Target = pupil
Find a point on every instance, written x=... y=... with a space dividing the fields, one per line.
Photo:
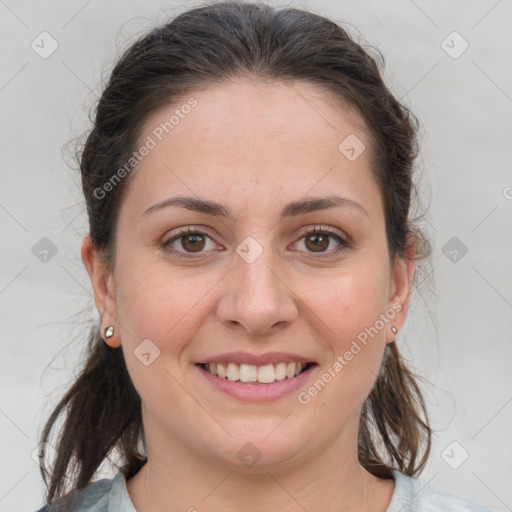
x=193 y=243
x=317 y=243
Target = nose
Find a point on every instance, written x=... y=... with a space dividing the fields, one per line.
x=256 y=298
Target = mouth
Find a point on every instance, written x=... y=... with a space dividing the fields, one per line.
x=254 y=374
x=256 y=382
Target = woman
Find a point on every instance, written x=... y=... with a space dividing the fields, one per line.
x=248 y=182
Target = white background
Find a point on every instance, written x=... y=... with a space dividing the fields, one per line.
x=458 y=337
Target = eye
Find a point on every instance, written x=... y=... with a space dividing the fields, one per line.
x=321 y=241
x=318 y=241
x=188 y=242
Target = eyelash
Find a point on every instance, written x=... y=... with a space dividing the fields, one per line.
x=315 y=230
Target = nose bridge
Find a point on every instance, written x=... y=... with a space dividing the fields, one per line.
x=257 y=282
x=257 y=287
x=256 y=298
x=254 y=260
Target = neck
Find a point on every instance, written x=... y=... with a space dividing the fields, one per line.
x=177 y=478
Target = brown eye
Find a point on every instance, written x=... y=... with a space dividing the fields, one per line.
x=193 y=243
x=321 y=242
x=317 y=242
x=190 y=243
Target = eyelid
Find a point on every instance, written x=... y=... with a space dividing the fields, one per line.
x=319 y=228
x=176 y=233
x=189 y=229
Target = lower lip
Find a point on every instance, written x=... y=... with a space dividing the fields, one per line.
x=257 y=392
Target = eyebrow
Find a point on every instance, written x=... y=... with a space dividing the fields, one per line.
x=292 y=209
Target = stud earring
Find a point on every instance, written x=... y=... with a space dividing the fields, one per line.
x=394 y=330
x=109 y=331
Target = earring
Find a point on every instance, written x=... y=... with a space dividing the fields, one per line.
x=394 y=330
x=109 y=331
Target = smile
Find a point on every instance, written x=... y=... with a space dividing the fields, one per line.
x=262 y=382
x=248 y=373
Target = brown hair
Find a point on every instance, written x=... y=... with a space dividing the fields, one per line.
x=101 y=412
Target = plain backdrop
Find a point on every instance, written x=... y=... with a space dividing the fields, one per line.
x=450 y=62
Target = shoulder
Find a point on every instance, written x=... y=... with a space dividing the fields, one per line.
x=97 y=497
x=410 y=495
x=413 y=495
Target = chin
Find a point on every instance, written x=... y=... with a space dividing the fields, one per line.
x=259 y=448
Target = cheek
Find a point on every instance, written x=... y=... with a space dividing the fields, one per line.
x=168 y=308
x=162 y=303
x=347 y=312
x=346 y=303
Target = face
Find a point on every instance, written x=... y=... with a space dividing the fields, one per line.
x=247 y=243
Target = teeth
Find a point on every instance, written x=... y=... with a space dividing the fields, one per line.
x=266 y=374
x=249 y=373
x=280 y=371
x=233 y=372
x=221 y=370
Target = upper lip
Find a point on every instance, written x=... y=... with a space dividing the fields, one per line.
x=256 y=359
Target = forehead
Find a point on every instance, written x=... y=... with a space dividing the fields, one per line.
x=247 y=139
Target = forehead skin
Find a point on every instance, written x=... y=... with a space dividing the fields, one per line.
x=254 y=145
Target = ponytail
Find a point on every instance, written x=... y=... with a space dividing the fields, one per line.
x=394 y=413
x=102 y=411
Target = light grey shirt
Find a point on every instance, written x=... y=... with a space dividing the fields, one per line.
x=410 y=495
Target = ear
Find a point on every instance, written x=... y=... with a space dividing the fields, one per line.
x=402 y=274
x=104 y=289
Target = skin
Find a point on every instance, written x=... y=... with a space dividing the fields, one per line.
x=254 y=147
